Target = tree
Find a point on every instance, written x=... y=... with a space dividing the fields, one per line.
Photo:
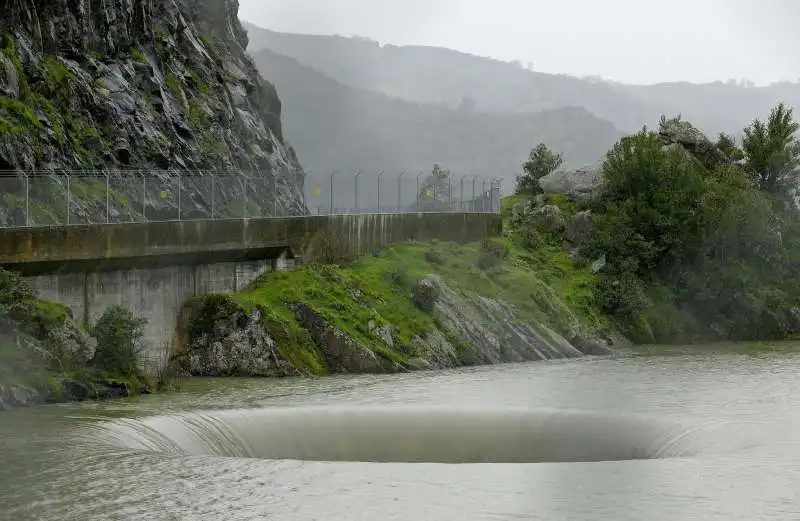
x=118 y=333
x=435 y=190
x=727 y=145
x=541 y=162
x=467 y=104
x=773 y=152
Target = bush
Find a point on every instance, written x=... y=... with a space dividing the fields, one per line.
x=621 y=295
x=492 y=253
x=399 y=277
x=17 y=296
x=434 y=256
x=327 y=247
x=118 y=333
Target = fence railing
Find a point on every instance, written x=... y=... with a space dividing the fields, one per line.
x=55 y=198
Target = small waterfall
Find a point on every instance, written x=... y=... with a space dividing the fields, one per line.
x=408 y=435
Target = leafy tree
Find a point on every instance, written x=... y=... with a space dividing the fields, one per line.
x=773 y=152
x=541 y=162
x=118 y=333
x=435 y=192
x=727 y=145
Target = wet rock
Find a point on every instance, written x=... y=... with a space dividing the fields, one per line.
x=425 y=295
x=549 y=218
x=229 y=341
x=579 y=228
x=492 y=331
x=342 y=353
x=579 y=184
x=675 y=132
x=18 y=396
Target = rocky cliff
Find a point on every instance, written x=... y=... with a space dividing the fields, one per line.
x=131 y=86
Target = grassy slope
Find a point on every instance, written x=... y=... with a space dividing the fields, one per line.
x=544 y=285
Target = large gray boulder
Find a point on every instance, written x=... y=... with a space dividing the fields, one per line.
x=676 y=132
x=581 y=183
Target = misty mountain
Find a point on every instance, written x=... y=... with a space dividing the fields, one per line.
x=439 y=75
x=334 y=127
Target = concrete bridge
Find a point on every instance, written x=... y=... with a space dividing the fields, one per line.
x=152 y=268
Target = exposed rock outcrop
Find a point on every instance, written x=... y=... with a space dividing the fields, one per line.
x=135 y=85
x=676 y=132
x=218 y=337
x=579 y=184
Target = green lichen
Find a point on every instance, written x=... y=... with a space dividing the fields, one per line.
x=138 y=56
x=57 y=76
x=19 y=111
x=174 y=86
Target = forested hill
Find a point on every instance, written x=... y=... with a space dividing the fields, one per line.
x=335 y=127
x=439 y=75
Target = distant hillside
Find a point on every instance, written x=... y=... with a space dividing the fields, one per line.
x=334 y=127
x=438 y=75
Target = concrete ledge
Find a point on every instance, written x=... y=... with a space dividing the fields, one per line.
x=102 y=246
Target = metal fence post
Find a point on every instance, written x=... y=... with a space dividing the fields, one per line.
x=144 y=196
x=68 y=196
x=213 y=189
x=27 y=200
x=449 y=193
x=483 y=196
x=380 y=174
x=108 y=198
x=418 y=176
x=180 y=185
x=474 y=202
x=355 y=190
x=400 y=192
x=244 y=207
x=333 y=174
x=274 y=195
x=461 y=198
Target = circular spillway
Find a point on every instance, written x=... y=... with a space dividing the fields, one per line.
x=408 y=435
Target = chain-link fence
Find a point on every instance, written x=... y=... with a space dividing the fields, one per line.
x=74 y=198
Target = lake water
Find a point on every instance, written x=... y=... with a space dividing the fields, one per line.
x=708 y=437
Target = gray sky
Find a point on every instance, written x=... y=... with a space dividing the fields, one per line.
x=634 y=41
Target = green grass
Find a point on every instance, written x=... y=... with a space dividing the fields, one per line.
x=546 y=287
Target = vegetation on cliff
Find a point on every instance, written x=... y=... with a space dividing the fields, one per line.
x=410 y=306
x=152 y=87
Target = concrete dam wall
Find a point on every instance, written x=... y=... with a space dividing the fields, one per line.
x=153 y=268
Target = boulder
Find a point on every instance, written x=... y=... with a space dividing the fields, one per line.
x=343 y=354
x=579 y=228
x=675 y=132
x=549 y=218
x=578 y=184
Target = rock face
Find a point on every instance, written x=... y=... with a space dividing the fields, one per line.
x=133 y=85
x=675 y=132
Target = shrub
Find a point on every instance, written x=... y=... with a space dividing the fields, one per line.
x=621 y=295
x=492 y=253
x=17 y=296
x=118 y=333
x=434 y=256
x=327 y=247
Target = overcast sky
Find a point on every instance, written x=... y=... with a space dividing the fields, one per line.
x=634 y=41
